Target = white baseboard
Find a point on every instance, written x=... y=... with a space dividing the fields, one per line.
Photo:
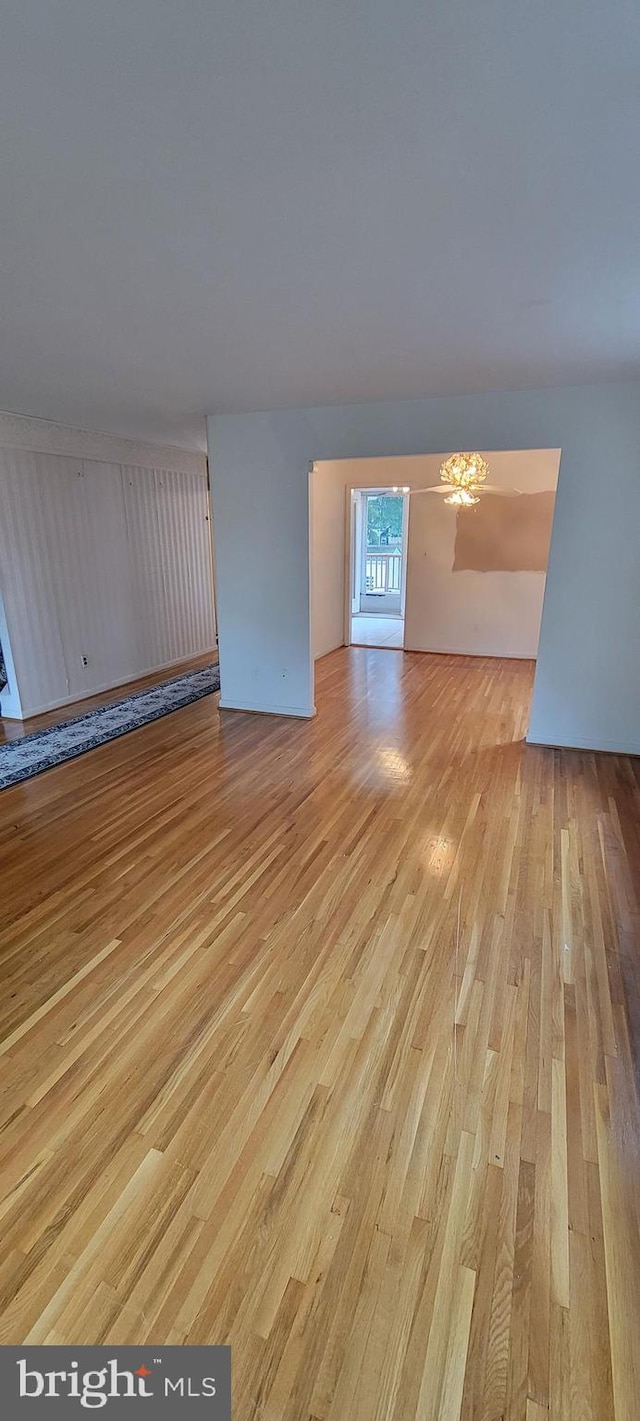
x=296 y=712
x=492 y=654
x=317 y=655
x=114 y=685
x=604 y=747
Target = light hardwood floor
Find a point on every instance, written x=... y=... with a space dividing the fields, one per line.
x=317 y=1040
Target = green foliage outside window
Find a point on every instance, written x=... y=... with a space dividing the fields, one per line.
x=384 y=519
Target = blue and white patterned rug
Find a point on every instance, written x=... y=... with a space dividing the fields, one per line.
x=20 y=759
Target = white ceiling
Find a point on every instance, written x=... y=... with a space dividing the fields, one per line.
x=237 y=204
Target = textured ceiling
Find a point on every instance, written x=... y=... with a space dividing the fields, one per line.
x=220 y=206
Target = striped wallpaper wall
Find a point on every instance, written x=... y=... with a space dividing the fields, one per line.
x=107 y=561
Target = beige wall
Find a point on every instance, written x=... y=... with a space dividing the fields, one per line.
x=329 y=523
x=492 y=613
x=329 y=536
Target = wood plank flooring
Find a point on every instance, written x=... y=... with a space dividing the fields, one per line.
x=317 y=1038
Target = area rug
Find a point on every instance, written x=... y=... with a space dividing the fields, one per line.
x=20 y=759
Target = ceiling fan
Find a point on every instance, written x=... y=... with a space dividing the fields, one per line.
x=463 y=479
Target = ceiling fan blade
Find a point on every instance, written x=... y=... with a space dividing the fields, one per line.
x=448 y=489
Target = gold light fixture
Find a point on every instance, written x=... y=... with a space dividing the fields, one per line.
x=465 y=475
x=462 y=480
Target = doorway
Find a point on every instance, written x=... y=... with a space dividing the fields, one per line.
x=379 y=523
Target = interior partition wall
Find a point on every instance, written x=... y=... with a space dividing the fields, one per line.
x=587 y=686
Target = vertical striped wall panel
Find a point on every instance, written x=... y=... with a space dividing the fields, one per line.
x=110 y=622
x=184 y=549
x=26 y=583
x=100 y=560
x=61 y=549
x=139 y=488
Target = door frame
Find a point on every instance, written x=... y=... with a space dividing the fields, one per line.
x=354 y=533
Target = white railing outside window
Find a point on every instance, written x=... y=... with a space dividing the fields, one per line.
x=382 y=571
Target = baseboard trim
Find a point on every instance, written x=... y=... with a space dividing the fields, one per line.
x=115 y=685
x=583 y=746
x=292 y=712
x=479 y=655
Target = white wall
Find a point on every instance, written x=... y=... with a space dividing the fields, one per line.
x=261 y=525
x=105 y=560
x=587 y=687
x=471 y=613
